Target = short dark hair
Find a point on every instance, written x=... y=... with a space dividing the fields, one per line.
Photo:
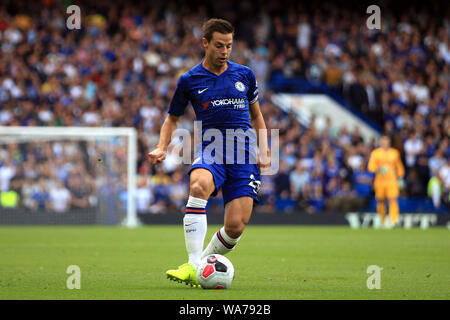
x=216 y=25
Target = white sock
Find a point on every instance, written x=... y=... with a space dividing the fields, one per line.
x=220 y=243
x=195 y=226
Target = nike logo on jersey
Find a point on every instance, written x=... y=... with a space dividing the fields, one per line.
x=201 y=91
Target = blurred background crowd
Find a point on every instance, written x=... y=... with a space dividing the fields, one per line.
x=122 y=66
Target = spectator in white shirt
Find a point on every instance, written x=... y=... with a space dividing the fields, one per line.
x=444 y=176
x=436 y=162
x=303 y=32
x=144 y=197
x=7 y=172
x=59 y=197
x=298 y=178
x=444 y=50
x=401 y=88
x=419 y=90
x=413 y=146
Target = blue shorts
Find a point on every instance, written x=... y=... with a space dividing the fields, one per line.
x=236 y=180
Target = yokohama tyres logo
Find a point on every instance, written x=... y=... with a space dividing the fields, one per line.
x=234 y=102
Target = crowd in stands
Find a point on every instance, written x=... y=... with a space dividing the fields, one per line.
x=122 y=67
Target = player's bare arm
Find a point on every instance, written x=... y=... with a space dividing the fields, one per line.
x=259 y=126
x=159 y=153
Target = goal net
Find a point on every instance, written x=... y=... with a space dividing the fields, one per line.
x=68 y=175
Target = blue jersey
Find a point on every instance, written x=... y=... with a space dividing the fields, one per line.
x=222 y=102
x=219 y=101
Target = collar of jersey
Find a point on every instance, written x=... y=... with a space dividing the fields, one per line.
x=229 y=66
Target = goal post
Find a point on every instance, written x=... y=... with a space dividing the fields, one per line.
x=19 y=134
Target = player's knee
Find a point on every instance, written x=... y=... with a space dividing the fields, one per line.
x=235 y=229
x=199 y=189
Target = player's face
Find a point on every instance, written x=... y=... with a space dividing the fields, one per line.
x=385 y=142
x=218 y=50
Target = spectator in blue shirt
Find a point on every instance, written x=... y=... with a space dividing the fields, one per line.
x=362 y=181
x=40 y=196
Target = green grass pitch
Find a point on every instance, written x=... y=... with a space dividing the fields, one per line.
x=271 y=262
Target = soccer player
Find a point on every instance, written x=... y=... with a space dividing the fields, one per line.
x=224 y=96
x=385 y=162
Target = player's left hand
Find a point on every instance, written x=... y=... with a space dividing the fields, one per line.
x=401 y=183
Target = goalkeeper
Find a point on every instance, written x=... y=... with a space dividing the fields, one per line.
x=385 y=162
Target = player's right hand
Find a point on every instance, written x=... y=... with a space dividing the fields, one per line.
x=156 y=156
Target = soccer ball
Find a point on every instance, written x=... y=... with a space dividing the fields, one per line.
x=215 y=272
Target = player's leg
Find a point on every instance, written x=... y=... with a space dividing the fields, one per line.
x=381 y=209
x=194 y=222
x=239 y=194
x=202 y=184
x=394 y=210
x=392 y=194
x=195 y=225
x=381 y=203
x=237 y=216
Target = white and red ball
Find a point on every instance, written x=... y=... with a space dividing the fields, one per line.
x=215 y=272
